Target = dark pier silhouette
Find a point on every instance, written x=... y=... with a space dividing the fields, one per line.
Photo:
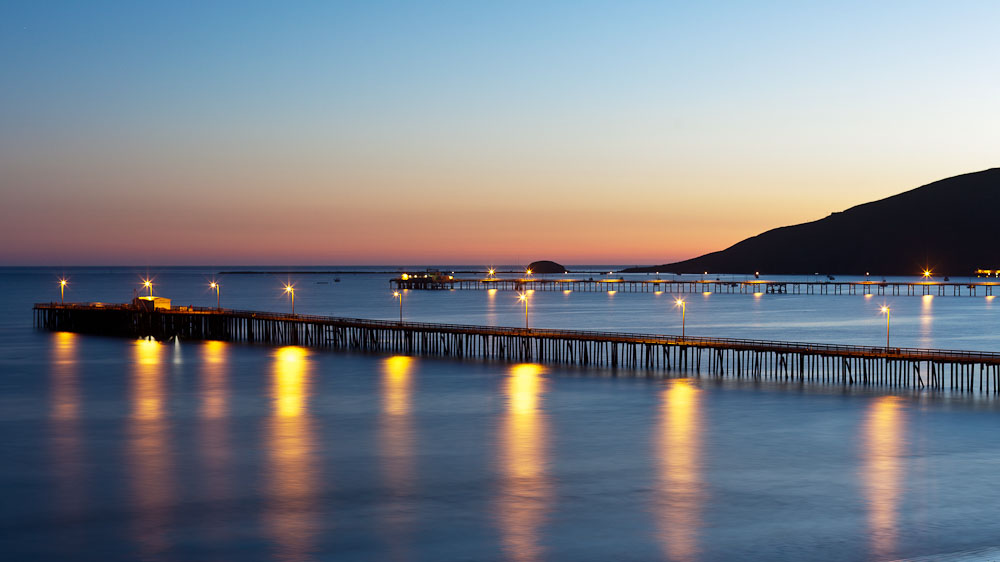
x=740 y=358
x=879 y=288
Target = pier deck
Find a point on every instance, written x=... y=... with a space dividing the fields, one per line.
x=849 y=364
x=758 y=287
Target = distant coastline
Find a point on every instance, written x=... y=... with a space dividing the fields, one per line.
x=378 y=272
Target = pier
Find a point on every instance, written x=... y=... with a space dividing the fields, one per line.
x=757 y=359
x=749 y=287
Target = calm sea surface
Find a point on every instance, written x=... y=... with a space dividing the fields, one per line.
x=113 y=449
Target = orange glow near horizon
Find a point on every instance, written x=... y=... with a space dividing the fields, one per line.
x=375 y=239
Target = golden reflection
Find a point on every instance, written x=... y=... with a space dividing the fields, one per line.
x=884 y=446
x=927 y=321
x=397 y=448
x=396 y=385
x=525 y=491
x=148 y=396
x=214 y=418
x=213 y=381
x=65 y=388
x=291 y=474
x=491 y=307
x=149 y=449
x=680 y=491
x=65 y=413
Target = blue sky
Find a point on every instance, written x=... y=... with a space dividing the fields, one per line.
x=680 y=128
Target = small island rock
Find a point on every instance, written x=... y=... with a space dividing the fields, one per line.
x=545 y=266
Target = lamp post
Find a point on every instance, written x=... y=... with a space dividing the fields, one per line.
x=523 y=297
x=62 y=290
x=491 y=273
x=148 y=284
x=290 y=290
x=399 y=295
x=886 y=310
x=927 y=274
x=683 y=305
x=218 y=294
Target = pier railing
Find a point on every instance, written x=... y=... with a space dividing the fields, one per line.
x=567 y=334
x=805 y=360
x=755 y=286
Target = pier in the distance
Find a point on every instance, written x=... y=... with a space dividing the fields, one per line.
x=748 y=287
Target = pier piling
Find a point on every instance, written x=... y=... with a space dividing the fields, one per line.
x=959 y=370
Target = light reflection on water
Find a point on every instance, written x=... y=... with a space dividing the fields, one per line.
x=292 y=479
x=64 y=414
x=927 y=321
x=884 y=445
x=213 y=380
x=396 y=445
x=150 y=457
x=214 y=422
x=525 y=487
x=680 y=490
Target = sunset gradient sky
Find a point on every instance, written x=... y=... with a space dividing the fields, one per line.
x=472 y=132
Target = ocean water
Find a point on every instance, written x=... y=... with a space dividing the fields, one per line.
x=115 y=449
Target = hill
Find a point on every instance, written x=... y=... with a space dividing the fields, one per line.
x=949 y=226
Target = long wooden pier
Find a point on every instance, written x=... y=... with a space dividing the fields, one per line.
x=778 y=360
x=749 y=287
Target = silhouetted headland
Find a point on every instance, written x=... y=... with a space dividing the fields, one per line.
x=948 y=227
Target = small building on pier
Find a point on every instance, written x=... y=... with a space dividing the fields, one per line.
x=151 y=303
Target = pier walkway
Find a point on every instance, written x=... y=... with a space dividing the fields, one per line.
x=758 y=287
x=779 y=360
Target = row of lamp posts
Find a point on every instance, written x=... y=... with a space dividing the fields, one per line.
x=289 y=290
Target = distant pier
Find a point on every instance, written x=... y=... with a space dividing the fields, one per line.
x=749 y=287
x=739 y=358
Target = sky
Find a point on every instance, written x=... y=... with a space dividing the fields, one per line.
x=466 y=132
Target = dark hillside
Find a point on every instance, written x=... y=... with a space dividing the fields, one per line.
x=951 y=226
